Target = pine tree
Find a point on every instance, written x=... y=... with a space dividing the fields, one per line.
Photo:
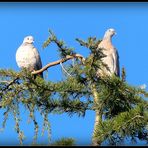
x=121 y=109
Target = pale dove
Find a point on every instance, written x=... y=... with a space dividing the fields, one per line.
x=112 y=57
x=27 y=56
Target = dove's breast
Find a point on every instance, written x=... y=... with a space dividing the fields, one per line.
x=25 y=57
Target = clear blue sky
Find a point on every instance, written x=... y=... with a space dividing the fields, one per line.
x=69 y=21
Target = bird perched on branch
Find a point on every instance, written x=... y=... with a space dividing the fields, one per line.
x=111 y=58
x=27 y=56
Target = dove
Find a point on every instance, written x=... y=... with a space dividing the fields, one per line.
x=111 y=58
x=27 y=56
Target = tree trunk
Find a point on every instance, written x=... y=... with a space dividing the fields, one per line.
x=95 y=142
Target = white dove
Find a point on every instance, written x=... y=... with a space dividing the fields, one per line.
x=27 y=56
x=112 y=57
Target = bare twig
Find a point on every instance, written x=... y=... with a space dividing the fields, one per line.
x=68 y=57
x=65 y=70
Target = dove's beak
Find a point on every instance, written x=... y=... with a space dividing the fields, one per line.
x=115 y=33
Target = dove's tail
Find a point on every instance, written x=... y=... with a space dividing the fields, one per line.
x=40 y=74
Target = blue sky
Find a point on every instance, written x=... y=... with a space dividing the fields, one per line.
x=70 y=21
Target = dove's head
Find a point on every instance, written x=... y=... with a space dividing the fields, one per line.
x=110 y=32
x=28 y=39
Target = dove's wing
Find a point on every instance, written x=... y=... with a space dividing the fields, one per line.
x=38 y=64
x=38 y=59
x=116 y=62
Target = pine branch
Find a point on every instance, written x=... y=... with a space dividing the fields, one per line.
x=125 y=124
x=123 y=75
x=9 y=83
x=63 y=49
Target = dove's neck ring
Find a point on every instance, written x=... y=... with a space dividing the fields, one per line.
x=107 y=38
x=25 y=43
